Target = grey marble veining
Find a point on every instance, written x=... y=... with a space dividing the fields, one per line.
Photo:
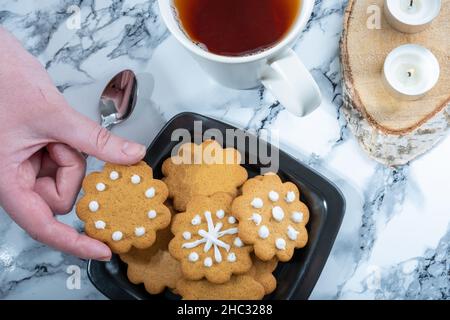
x=393 y=243
x=423 y=278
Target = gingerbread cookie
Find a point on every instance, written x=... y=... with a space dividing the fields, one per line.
x=202 y=170
x=206 y=240
x=252 y=285
x=123 y=206
x=271 y=217
x=262 y=271
x=154 y=266
x=240 y=287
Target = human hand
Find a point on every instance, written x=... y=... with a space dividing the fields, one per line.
x=41 y=137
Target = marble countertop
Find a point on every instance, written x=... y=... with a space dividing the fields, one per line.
x=394 y=240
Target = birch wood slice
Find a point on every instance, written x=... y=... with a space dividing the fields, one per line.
x=392 y=131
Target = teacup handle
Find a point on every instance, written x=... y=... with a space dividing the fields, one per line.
x=291 y=83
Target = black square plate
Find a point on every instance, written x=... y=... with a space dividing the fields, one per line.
x=296 y=278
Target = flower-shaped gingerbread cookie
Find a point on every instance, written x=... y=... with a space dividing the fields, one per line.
x=240 y=287
x=123 y=206
x=206 y=240
x=252 y=285
x=271 y=217
x=202 y=170
x=154 y=267
x=262 y=271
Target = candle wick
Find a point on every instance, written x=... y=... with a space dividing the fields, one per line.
x=411 y=3
x=410 y=73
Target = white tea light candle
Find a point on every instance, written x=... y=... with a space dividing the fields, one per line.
x=410 y=71
x=411 y=16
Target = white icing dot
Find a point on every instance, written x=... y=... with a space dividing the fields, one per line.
x=263 y=232
x=187 y=235
x=238 y=242
x=100 y=187
x=292 y=233
x=280 y=243
x=196 y=220
x=93 y=206
x=114 y=175
x=231 y=257
x=208 y=262
x=257 y=203
x=277 y=213
x=139 y=231
x=193 y=256
x=274 y=196
x=290 y=197
x=117 y=235
x=297 y=217
x=150 y=193
x=151 y=214
x=220 y=214
x=231 y=220
x=100 y=224
x=135 y=179
x=256 y=218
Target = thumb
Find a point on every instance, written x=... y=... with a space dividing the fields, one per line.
x=80 y=132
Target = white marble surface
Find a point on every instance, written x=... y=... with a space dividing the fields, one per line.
x=394 y=240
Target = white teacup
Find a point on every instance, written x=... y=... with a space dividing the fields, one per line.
x=278 y=68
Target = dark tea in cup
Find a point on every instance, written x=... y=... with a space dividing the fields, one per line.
x=236 y=27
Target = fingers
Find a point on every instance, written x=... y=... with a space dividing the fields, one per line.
x=87 y=136
x=35 y=161
x=31 y=212
x=62 y=171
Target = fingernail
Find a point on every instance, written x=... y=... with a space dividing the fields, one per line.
x=105 y=259
x=133 y=149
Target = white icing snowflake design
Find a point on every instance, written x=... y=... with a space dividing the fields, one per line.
x=211 y=238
